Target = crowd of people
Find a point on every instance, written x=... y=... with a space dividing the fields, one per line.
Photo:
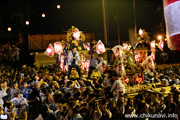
x=9 y=52
x=48 y=93
x=95 y=93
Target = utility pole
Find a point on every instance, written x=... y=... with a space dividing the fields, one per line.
x=105 y=22
x=118 y=28
x=28 y=42
x=134 y=12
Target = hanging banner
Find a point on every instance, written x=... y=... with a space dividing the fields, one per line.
x=172 y=19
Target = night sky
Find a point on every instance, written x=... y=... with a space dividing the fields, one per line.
x=84 y=14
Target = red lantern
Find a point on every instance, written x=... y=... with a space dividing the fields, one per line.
x=118 y=51
x=153 y=44
x=76 y=34
x=126 y=46
x=57 y=47
x=49 y=51
x=172 y=19
x=100 y=47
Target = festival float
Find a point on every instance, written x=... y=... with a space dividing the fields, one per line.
x=77 y=38
x=44 y=42
x=137 y=61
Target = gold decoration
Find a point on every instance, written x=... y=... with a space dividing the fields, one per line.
x=79 y=48
x=70 y=34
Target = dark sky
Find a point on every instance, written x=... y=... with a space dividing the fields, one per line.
x=87 y=16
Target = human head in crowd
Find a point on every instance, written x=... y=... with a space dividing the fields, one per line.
x=91 y=96
x=100 y=56
x=74 y=49
x=115 y=76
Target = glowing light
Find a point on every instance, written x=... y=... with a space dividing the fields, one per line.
x=136 y=57
x=153 y=44
x=140 y=32
x=159 y=37
x=161 y=45
x=27 y=22
x=43 y=15
x=58 y=6
x=49 y=51
x=125 y=46
x=76 y=34
x=9 y=29
x=100 y=48
x=57 y=47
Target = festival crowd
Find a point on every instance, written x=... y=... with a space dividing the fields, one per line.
x=48 y=93
x=9 y=52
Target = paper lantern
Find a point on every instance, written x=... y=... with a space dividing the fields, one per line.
x=76 y=34
x=57 y=47
x=49 y=51
x=161 y=45
x=100 y=48
x=172 y=19
x=153 y=44
x=87 y=64
x=136 y=57
x=126 y=46
x=140 y=32
x=118 y=51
